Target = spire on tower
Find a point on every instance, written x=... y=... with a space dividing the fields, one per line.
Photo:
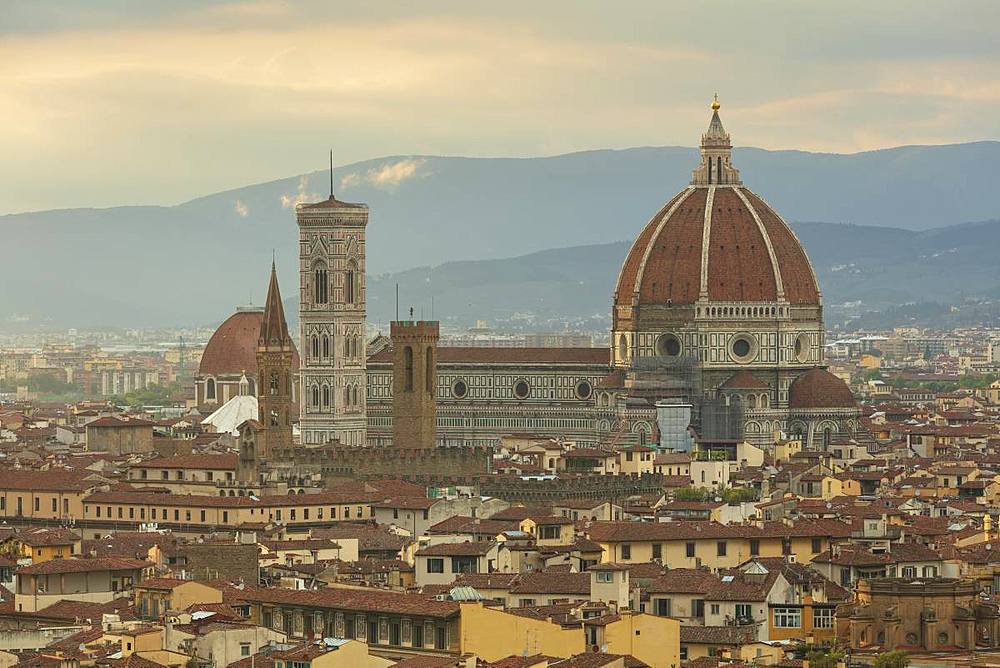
x=331 y=174
x=716 y=166
x=273 y=327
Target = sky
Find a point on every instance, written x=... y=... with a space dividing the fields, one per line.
x=116 y=102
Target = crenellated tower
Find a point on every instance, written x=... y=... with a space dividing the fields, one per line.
x=414 y=383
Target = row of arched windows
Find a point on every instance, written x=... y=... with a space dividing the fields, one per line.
x=321 y=346
x=321 y=283
x=321 y=396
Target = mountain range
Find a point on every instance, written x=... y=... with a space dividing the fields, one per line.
x=441 y=226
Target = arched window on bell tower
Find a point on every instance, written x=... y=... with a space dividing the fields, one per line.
x=350 y=280
x=320 y=283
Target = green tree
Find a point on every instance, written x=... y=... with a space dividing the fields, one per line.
x=691 y=494
x=820 y=658
x=894 y=659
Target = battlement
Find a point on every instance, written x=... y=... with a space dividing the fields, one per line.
x=601 y=487
x=413 y=330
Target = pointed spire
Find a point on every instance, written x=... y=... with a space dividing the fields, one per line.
x=331 y=174
x=273 y=328
x=716 y=166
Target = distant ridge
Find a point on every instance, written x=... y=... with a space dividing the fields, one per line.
x=194 y=262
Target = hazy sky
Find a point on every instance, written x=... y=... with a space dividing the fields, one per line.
x=121 y=102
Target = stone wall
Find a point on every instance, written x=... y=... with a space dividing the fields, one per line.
x=598 y=487
x=222 y=561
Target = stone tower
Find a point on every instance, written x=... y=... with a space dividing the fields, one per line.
x=332 y=321
x=275 y=372
x=414 y=383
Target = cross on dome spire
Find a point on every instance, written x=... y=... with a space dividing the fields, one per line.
x=716 y=166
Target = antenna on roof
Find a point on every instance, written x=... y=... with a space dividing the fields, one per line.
x=397 y=302
x=331 y=173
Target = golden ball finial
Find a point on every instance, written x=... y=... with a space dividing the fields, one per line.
x=715 y=103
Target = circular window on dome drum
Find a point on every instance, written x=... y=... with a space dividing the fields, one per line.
x=802 y=347
x=668 y=345
x=522 y=389
x=743 y=348
x=584 y=389
x=459 y=389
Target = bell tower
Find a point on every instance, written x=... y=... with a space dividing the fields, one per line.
x=275 y=373
x=414 y=383
x=332 y=321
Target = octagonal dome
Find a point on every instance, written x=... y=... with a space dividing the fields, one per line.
x=716 y=241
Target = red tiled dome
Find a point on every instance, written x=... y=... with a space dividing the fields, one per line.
x=751 y=255
x=233 y=347
x=744 y=380
x=818 y=388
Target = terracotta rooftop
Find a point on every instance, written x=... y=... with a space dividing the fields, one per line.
x=54 y=566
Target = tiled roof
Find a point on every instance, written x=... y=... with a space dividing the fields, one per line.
x=162 y=583
x=744 y=380
x=54 y=566
x=39 y=537
x=818 y=388
x=575 y=584
x=683 y=581
x=475 y=355
x=468 y=548
x=159 y=499
x=664 y=263
x=355 y=599
x=73 y=610
x=462 y=524
x=224 y=462
x=718 y=635
x=46 y=480
x=232 y=350
x=112 y=421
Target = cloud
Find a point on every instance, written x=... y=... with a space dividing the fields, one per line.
x=301 y=194
x=231 y=92
x=386 y=176
x=241 y=209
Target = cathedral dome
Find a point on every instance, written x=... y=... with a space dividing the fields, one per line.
x=817 y=389
x=716 y=241
x=232 y=350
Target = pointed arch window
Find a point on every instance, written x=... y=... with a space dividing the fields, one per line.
x=429 y=370
x=273 y=383
x=315 y=395
x=315 y=347
x=408 y=368
x=347 y=395
x=326 y=396
x=350 y=278
x=320 y=283
x=326 y=346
